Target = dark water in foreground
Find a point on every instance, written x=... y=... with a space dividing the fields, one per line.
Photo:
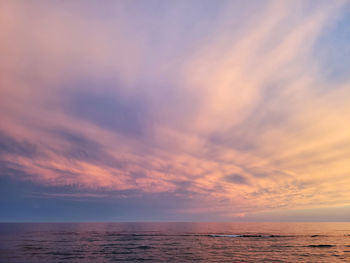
x=175 y=242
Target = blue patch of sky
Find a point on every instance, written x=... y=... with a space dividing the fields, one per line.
x=332 y=48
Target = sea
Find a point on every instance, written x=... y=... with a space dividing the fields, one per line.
x=174 y=242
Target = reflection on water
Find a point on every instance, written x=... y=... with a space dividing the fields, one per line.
x=175 y=242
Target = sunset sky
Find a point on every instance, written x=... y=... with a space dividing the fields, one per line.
x=175 y=110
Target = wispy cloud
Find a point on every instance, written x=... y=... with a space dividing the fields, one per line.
x=221 y=103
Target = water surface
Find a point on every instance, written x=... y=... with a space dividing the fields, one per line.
x=174 y=242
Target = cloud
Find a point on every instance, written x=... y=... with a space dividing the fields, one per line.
x=223 y=104
x=236 y=178
x=9 y=145
x=110 y=111
x=79 y=148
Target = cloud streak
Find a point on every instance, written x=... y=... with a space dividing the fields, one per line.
x=210 y=102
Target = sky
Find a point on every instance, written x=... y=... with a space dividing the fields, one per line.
x=174 y=110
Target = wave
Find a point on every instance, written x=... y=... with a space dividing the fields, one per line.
x=219 y=235
x=321 y=245
x=116 y=234
x=214 y=235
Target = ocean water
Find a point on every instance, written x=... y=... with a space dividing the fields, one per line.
x=174 y=242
